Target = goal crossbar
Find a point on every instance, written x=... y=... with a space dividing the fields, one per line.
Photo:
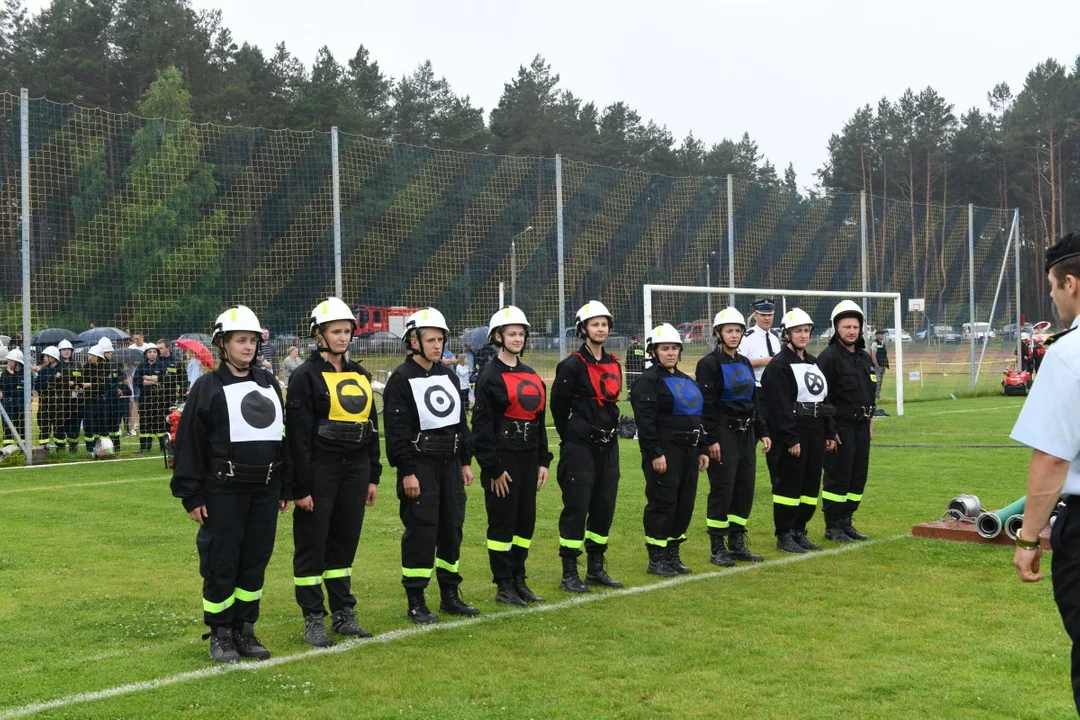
x=898 y=349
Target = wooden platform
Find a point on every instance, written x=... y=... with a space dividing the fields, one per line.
x=959 y=531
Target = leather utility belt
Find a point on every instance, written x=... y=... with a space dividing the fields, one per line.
x=856 y=412
x=740 y=425
x=347 y=432
x=520 y=434
x=686 y=438
x=432 y=444
x=814 y=410
x=600 y=437
x=228 y=471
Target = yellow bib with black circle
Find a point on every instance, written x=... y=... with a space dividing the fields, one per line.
x=350 y=396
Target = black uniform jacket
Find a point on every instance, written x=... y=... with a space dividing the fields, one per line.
x=205 y=435
x=665 y=400
x=311 y=405
x=727 y=384
x=504 y=392
x=781 y=394
x=401 y=415
x=585 y=394
x=852 y=384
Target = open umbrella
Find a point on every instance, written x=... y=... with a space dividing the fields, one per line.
x=127 y=355
x=475 y=337
x=53 y=336
x=205 y=339
x=92 y=335
x=206 y=358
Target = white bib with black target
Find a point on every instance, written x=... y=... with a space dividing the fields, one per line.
x=254 y=413
x=811 y=383
x=437 y=401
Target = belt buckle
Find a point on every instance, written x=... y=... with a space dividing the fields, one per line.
x=231 y=472
x=524 y=431
x=457 y=438
x=269 y=473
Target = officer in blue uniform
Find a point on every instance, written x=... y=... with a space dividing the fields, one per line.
x=1047 y=424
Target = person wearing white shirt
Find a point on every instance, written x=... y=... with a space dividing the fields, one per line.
x=1047 y=424
x=759 y=345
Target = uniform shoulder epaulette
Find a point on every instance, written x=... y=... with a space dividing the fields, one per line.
x=1055 y=337
x=749 y=332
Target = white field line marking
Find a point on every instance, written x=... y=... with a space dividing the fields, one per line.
x=405 y=633
x=971 y=410
x=46 y=488
x=102 y=463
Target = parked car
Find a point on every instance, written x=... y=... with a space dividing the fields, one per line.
x=1008 y=332
x=382 y=342
x=981 y=330
x=891 y=334
x=945 y=334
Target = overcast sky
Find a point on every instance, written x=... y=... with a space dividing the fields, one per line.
x=789 y=72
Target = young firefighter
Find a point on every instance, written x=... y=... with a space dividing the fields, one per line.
x=667 y=409
x=733 y=428
x=12 y=397
x=48 y=385
x=232 y=475
x=69 y=411
x=510 y=437
x=116 y=396
x=333 y=436
x=96 y=402
x=849 y=374
x=427 y=441
x=801 y=428
x=154 y=402
x=584 y=406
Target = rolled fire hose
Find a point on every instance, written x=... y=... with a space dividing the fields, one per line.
x=1013 y=525
x=964 y=507
x=990 y=524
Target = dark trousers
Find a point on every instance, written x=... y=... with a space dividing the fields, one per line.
x=48 y=427
x=796 y=480
x=69 y=424
x=433 y=522
x=845 y=471
x=1065 y=571
x=731 y=483
x=325 y=539
x=589 y=480
x=18 y=420
x=512 y=519
x=670 y=496
x=235 y=544
x=95 y=420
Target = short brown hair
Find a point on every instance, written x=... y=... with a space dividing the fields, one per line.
x=1068 y=266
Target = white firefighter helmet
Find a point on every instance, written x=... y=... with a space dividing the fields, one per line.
x=65 y=345
x=425 y=318
x=52 y=351
x=105 y=344
x=847 y=308
x=729 y=316
x=97 y=352
x=509 y=315
x=795 y=317
x=662 y=333
x=103 y=447
x=15 y=354
x=329 y=310
x=590 y=310
x=238 y=318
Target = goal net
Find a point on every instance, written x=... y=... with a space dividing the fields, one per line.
x=818 y=303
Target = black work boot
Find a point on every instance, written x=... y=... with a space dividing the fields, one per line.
x=833 y=531
x=507 y=594
x=739 y=550
x=804 y=542
x=595 y=574
x=247 y=644
x=315 y=631
x=452 y=602
x=719 y=555
x=343 y=622
x=418 y=610
x=674 y=561
x=785 y=541
x=222 y=646
x=524 y=592
x=571 y=581
x=849 y=529
x=658 y=561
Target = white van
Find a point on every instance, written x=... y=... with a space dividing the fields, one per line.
x=982 y=330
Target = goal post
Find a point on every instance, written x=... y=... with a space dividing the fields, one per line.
x=898 y=349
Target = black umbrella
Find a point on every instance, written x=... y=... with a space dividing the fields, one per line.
x=92 y=335
x=53 y=336
x=475 y=337
x=127 y=355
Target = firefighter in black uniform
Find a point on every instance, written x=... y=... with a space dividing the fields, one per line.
x=427 y=441
x=584 y=406
x=333 y=436
x=96 y=407
x=70 y=409
x=510 y=436
x=849 y=372
x=152 y=376
x=117 y=396
x=12 y=397
x=48 y=385
x=733 y=428
x=635 y=361
x=232 y=476
x=801 y=428
x=667 y=409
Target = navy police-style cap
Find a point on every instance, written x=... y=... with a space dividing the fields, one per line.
x=1068 y=246
x=765 y=306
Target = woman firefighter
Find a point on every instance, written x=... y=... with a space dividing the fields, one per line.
x=151 y=375
x=231 y=475
x=333 y=436
x=510 y=439
x=667 y=409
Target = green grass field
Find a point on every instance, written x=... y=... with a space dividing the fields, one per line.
x=100 y=604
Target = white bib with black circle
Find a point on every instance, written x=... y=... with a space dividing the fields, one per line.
x=811 y=383
x=254 y=413
x=438 y=402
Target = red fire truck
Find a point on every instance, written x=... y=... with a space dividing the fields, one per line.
x=372 y=319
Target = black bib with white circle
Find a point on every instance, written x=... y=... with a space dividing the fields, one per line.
x=438 y=402
x=254 y=413
x=813 y=388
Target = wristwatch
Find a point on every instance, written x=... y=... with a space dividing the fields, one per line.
x=1026 y=544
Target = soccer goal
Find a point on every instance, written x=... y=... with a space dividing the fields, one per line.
x=787 y=299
